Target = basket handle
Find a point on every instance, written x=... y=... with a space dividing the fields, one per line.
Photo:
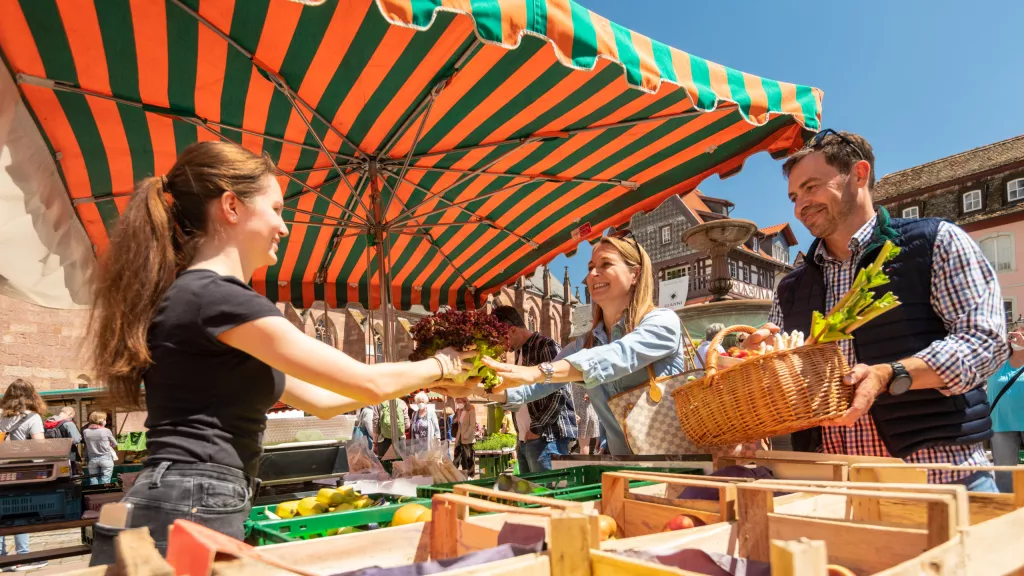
x=713 y=354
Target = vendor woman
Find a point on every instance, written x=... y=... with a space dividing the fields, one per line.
x=607 y=361
x=174 y=310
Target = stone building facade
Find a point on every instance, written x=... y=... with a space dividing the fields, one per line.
x=42 y=345
x=982 y=191
x=755 y=266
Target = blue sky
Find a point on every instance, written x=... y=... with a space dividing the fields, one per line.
x=920 y=80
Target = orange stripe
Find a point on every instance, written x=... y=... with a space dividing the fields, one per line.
x=460 y=5
x=341 y=196
x=335 y=44
x=758 y=98
x=604 y=96
x=605 y=37
x=384 y=57
x=278 y=29
x=566 y=87
x=651 y=75
x=440 y=52
x=161 y=132
x=213 y=59
x=149 y=20
x=559 y=28
x=295 y=238
x=397 y=10
x=684 y=74
x=513 y=20
x=789 y=102
x=47 y=109
x=719 y=81
x=257 y=105
x=83 y=32
x=90 y=216
x=16 y=38
x=509 y=89
x=122 y=203
x=485 y=59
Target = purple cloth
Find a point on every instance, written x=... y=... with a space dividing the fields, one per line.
x=701 y=562
x=700 y=493
x=502 y=552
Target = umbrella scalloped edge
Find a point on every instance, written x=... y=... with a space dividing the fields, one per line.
x=400 y=13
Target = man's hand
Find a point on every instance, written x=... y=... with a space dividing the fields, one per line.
x=753 y=341
x=511 y=375
x=471 y=387
x=869 y=382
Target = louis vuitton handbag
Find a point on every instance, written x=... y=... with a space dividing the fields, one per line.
x=647 y=415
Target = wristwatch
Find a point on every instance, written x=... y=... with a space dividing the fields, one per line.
x=900 y=381
x=548 y=370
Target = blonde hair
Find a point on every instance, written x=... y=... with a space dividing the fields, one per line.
x=97 y=417
x=641 y=300
x=69 y=411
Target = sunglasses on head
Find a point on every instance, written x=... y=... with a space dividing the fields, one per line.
x=819 y=138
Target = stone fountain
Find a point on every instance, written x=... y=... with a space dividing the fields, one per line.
x=717 y=238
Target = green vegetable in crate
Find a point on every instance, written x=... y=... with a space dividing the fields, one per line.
x=858 y=306
x=463 y=330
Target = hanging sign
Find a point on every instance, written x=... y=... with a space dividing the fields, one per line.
x=672 y=293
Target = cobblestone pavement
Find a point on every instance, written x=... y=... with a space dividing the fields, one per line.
x=49 y=541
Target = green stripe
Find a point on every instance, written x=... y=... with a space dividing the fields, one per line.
x=805 y=97
x=116 y=28
x=247 y=23
x=774 y=93
x=185 y=135
x=738 y=89
x=277 y=122
x=246 y=27
x=584 y=37
x=627 y=54
x=537 y=17
x=487 y=14
x=109 y=215
x=182 y=56
x=701 y=76
x=663 y=59
x=423 y=11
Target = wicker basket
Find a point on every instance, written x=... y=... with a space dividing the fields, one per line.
x=777 y=393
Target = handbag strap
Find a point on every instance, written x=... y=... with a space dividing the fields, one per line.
x=1005 y=388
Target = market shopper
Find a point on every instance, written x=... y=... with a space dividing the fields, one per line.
x=20 y=410
x=62 y=425
x=100 y=449
x=382 y=424
x=920 y=368
x=1008 y=413
x=424 y=420
x=552 y=418
x=465 y=436
x=586 y=418
x=709 y=334
x=621 y=284
x=174 y=311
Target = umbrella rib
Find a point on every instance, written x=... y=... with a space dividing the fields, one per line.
x=194 y=120
x=432 y=242
x=459 y=207
x=536 y=177
x=292 y=100
x=269 y=73
x=561 y=134
x=433 y=94
x=415 y=141
x=463 y=203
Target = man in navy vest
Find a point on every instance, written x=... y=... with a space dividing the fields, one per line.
x=919 y=370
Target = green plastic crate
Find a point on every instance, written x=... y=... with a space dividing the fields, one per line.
x=579 y=483
x=259 y=513
x=262 y=532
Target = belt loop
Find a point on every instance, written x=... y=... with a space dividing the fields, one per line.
x=158 y=474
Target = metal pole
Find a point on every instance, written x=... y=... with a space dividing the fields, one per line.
x=384 y=278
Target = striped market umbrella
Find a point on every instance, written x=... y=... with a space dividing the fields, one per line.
x=442 y=148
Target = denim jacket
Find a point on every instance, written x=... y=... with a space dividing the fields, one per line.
x=613 y=367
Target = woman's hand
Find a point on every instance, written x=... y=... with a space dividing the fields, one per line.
x=448 y=387
x=753 y=341
x=451 y=361
x=511 y=375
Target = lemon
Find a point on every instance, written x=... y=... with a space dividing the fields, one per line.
x=310 y=507
x=408 y=514
x=287 y=509
x=329 y=497
x=344 y=507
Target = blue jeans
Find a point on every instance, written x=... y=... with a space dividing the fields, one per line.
x=103 y=468
x=214 y=496
x=524 y=464
x=538 y=452
x=20 y=544
x=979 y=482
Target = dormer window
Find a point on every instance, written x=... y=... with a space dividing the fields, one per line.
x=971 y=201
x=666 y=234
x=754 y=244
x=1015 y=190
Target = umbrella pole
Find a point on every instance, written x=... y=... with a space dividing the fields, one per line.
x=384 y=278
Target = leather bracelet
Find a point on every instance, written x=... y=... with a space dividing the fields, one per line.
x=441 y=366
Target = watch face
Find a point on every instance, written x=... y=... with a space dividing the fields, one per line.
x=900 y=385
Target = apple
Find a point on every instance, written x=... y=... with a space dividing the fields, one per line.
x=682 y=522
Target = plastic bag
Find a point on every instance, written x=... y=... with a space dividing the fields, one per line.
x=426 y=457
x=362 y=460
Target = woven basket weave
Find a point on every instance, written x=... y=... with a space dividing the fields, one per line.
x=777 y=393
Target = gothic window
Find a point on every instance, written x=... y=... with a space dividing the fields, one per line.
x=531 y=322
x=323 y=332
x=378 y=349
